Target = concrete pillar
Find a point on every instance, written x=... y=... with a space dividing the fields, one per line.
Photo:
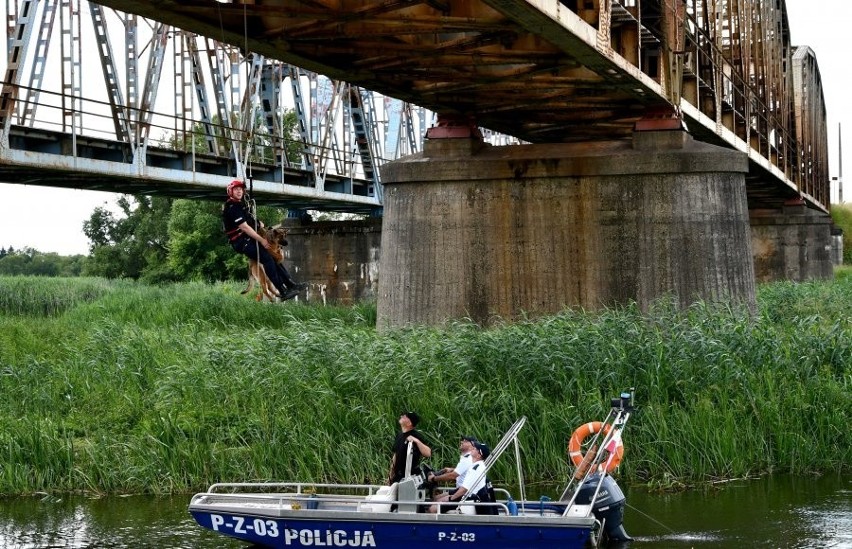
x=793 y=243
x=836 y=245
x=487 y=232
x=338 y=259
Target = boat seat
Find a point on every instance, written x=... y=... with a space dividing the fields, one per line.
x=381 y=501
x=578 y=510
x=467 y=509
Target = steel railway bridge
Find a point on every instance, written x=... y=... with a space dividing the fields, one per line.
x=286 y=92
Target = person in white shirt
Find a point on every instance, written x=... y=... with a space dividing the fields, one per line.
x=456 y=473
x=473 y=481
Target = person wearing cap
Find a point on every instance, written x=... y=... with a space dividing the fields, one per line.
x=475 y=482
x=456 y=473
x=240 y=228
x=407 y=435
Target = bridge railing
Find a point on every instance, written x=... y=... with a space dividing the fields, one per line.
x=734 y=62
x=742 y=72
x=81 y=120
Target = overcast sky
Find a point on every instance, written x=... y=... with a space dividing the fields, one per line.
x=51 y=219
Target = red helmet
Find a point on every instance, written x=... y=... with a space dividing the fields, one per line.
x=233 y=185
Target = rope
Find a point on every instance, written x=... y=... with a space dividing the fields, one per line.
x=252 y=207
x=221 y=23
x=248 y=115
x=247 y=175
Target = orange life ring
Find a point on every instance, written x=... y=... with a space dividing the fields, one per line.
x=575 y=444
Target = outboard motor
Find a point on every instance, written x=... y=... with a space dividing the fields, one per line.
x=608 y=508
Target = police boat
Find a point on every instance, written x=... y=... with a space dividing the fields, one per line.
x=296 y=514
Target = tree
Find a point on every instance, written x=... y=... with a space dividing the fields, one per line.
x=198 y=249
x=135 y=246
x=99 y=228
x=263 y=142
x=14 y=264
x=30 y=262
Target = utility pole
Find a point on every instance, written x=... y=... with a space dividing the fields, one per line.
x=839 y=165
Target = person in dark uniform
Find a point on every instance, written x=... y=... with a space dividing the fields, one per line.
x=407 y=423
x=240 y=228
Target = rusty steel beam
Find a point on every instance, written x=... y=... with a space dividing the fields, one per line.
x=725 y=66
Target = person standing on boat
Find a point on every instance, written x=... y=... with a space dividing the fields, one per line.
x=419 y=449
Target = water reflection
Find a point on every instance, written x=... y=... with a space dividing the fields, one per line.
x=114 y=522
x=779 y=512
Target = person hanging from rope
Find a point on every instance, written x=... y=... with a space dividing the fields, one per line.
x=241 y=229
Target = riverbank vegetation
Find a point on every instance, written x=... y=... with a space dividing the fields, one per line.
x=120 y=387
x=841 y=216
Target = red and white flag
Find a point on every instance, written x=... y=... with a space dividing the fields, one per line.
x=612 y=447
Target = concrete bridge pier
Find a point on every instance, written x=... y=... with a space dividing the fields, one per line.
x=338 y=259
x=793 y=243
x=484 y=232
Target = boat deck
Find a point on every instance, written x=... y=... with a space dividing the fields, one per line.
x=359 y=502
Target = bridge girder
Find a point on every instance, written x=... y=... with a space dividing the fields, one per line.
x=89 y=100
x=558 y=70
x=551 y=70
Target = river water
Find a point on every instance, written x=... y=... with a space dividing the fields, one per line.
x=778 y=512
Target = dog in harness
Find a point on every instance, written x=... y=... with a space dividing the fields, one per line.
x=277 y=238
x=243 y=233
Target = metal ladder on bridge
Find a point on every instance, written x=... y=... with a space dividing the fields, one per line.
x=364 y=126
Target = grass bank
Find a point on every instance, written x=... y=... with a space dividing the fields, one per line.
x=841 y=214
x=117 y=387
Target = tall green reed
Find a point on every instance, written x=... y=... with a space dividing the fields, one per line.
x=167 y=389
x=42 y=296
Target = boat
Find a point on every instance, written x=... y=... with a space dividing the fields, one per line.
x=300 y=514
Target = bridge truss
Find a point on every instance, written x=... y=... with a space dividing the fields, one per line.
x=98 y=99
x=553 y=71
x=538 y=70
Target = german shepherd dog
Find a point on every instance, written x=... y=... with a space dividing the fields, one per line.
x=277 y=238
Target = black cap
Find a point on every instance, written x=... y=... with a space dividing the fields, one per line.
x=470 y=439
x=483 y=449
x=413 y=418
